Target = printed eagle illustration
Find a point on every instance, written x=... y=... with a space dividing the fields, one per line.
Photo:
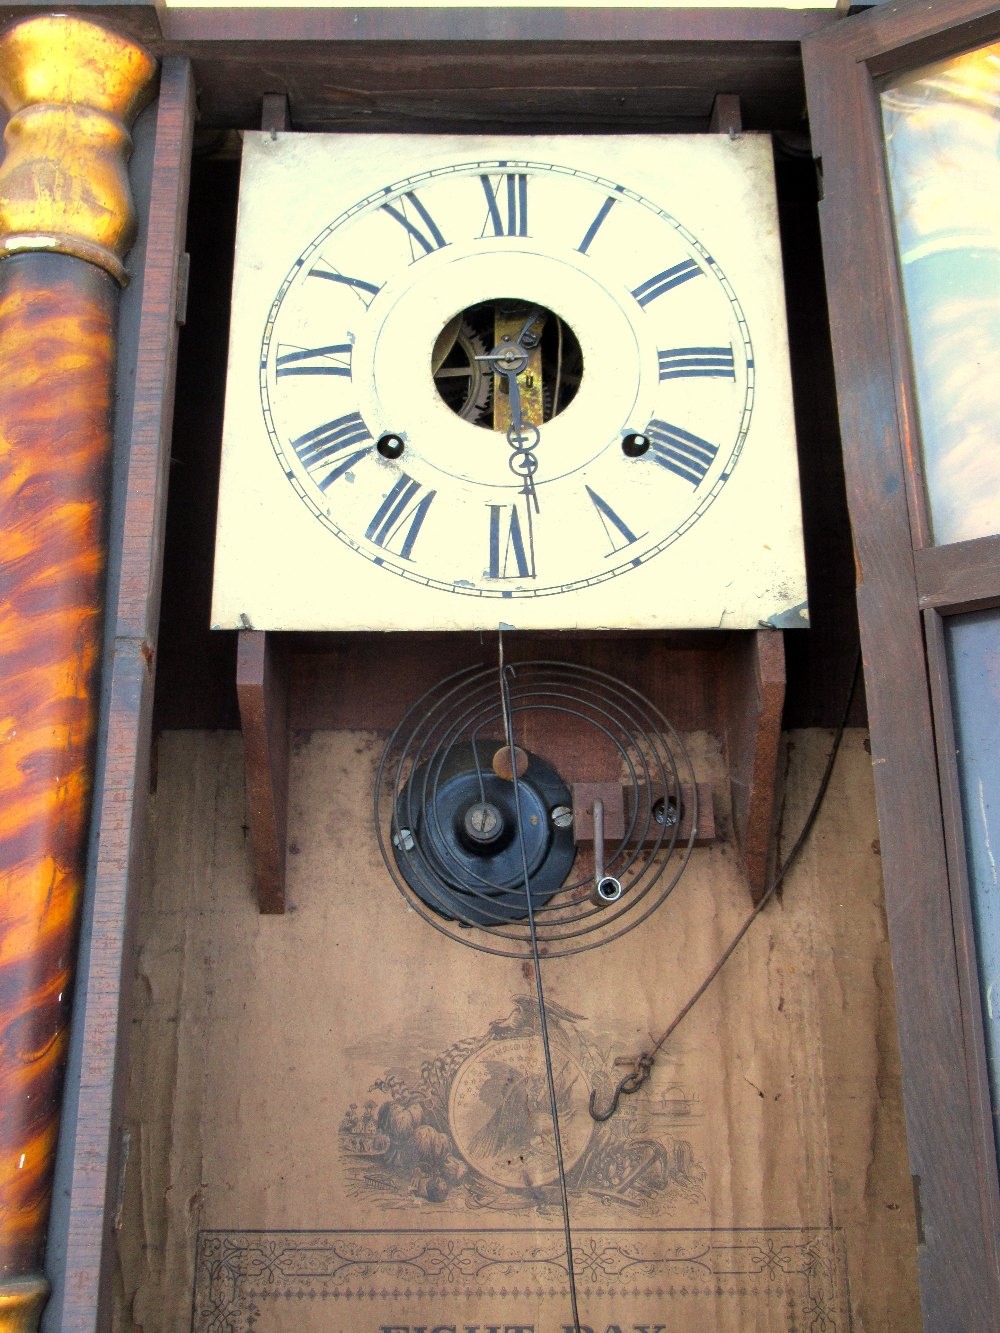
x=523 y=1017
x=521 y=1120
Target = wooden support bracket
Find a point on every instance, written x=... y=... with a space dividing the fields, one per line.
x=727 y=115
x=753 y=695
x=275 y=113
x=262 y=688
x=615 y=796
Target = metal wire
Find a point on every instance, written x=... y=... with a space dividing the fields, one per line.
x=464 y=717
x=634 y=1080
x=542 y=1019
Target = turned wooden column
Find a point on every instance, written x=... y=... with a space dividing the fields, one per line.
x=72 y=89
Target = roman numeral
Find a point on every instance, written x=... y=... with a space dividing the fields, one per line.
x=617 y=531
x=429 y=240
x=512 y=189
x=400 y=517
x=332 y=446
x=508 y=556
x=666 y=281
x=697 y=362
x=332 y=360
x=680 y=452
x=366 y=291
x=597 y=223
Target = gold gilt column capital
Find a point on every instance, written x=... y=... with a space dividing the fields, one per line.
x=72 y=90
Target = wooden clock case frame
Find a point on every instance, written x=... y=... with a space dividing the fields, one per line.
x=549 y=69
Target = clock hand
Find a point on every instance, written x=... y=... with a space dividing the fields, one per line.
x=523 y=461
x=515 y=432
x=522 y=337
x=526 y=340
x=509 y=360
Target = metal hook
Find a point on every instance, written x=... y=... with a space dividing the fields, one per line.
x=630 y=1083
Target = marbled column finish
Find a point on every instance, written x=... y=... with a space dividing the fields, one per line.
x=71 y=89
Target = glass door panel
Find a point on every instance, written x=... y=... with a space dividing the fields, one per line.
x=973 y=642
x=941 y=126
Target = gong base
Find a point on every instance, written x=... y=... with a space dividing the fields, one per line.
x=456 y=834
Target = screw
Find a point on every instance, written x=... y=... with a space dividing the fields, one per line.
x=635 y=445
x=483 y=823
x=664 y=813
x=390 y=446
x=404 y=840
x=562 y=816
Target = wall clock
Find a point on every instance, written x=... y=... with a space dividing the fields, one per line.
x=539 y=382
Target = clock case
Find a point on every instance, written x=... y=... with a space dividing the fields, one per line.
x=730 y=681
x=756 y=53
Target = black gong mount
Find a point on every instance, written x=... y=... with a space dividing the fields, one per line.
x=467 y=816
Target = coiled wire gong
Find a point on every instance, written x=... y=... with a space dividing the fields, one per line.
x=436 y=782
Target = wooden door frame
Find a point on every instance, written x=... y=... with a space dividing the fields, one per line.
x=902 y=580
x=91 y=1159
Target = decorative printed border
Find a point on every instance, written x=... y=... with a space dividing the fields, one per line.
x=796 y=1272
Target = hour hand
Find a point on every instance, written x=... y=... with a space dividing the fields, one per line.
x=516 y=432
x=528 y=337
x=523 y=462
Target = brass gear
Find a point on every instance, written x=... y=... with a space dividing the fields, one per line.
x=461 y=380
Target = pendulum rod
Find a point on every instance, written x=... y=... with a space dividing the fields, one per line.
x=543 y=1024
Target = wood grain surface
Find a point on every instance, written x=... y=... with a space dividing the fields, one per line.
x=961 y=577
x=84 y=1293
x=262 y=687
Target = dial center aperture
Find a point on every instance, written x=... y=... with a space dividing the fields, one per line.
x=481 y=347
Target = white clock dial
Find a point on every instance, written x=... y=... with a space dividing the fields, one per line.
x=628 y=445
x=347 y=359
